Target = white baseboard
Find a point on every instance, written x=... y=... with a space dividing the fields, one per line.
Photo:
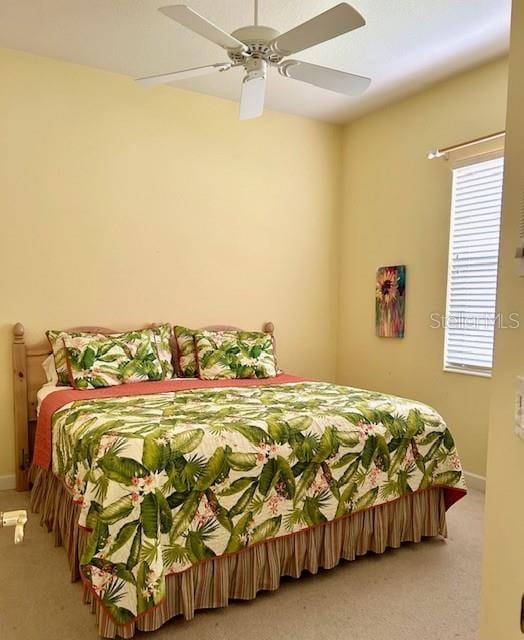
x=474 y=481
x=7 y=482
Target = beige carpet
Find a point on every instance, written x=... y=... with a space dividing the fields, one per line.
x=427 y=591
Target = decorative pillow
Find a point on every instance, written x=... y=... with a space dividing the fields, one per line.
x=103 y=361
x=186 y=356
x=235 y=354
x=150 y=346
x=162 y=336
x=56 y=340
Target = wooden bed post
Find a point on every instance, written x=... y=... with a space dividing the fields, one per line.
x=268 y=327
x=20 y=399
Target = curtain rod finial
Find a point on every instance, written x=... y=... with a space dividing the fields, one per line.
x=435 y=154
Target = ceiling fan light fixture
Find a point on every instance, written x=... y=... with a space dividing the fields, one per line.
x=255 y=68
x=252 y=97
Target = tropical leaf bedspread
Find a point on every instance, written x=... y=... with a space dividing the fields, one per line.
x=168 y=480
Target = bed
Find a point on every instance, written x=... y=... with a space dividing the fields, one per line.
x=184 y=494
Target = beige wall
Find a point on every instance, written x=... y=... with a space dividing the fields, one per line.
x=396 y=211
x=121 y=206
x=504 y=544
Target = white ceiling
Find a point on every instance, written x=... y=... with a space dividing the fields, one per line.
x=406 y=44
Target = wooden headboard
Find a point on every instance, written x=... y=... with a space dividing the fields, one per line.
x=29 y=377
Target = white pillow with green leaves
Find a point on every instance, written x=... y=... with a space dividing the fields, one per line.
x=56 y=340
x=88 y=360
x=224 y=355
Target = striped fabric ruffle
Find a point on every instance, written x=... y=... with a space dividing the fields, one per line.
x=213 y=583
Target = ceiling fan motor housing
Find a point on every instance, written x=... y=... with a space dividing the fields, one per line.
x=256 y=39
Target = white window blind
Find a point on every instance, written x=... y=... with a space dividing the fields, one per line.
x=472 y=270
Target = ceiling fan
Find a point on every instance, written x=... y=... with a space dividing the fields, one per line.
x=257 y=47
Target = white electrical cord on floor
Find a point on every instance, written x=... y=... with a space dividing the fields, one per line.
x=16 y=519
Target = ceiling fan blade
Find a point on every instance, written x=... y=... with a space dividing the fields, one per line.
x=326 y=26
x=197 y=23
x=339 y=81
x=252 y=98
x=165 y=78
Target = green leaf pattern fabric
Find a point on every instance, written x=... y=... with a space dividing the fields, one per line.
x=162 y=336
x=154 y=340
x=97 y=360
x=56 y=340
x=169 y=480
x=187 y=363
x=225 y=355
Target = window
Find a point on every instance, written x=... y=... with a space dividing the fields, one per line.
x=472 y=270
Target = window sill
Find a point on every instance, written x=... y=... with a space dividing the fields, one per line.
x=468 y=372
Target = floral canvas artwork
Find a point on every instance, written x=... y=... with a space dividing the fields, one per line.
x=390 y=301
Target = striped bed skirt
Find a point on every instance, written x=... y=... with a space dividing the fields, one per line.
x=213 y=583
